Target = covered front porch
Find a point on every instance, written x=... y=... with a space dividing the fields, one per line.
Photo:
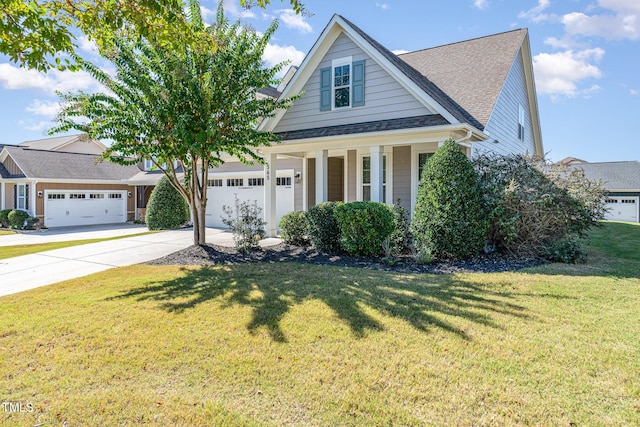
x=383 y=167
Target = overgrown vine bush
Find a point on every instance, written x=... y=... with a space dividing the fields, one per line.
x=537 y=209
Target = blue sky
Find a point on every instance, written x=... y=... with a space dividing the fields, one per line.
x=586 y=61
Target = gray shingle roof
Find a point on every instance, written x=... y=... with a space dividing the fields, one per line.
x=439 y=94
x=60 y=165
x=471 y=72
x=376 y=126
x=614 y=175
x=49 y=143
x=270 y=91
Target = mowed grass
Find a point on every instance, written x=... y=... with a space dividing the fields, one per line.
x=19 y=250
x=6 y=232
x=292 y=344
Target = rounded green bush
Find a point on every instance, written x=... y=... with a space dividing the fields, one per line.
x=166 y=208
x=323 y=229
x=449 y=221
x=17 y=218
x=364 y=226
x=4 y=217
x=293 y=228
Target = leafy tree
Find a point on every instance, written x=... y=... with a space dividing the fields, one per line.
x=39 y=34
x=449 y=219
x=181 y=105
x=167 y=208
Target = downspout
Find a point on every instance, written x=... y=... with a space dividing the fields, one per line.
x=464 y=138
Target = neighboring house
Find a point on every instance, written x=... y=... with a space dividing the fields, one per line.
x=368 y=119
x=622 y=182
x=62 y=182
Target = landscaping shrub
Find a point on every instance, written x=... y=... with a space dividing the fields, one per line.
x=364 y=226
x=17 y=218
x=246 y=223
x=449 y=220
x=293 y=228
x=400 y=240
x=166 y=208
x=4 y=217
x=536 y=209
x=323 y=229
x=31 y=222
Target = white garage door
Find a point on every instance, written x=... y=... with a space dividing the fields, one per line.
x=223 y=191
x=622 y=209
x=71 y=207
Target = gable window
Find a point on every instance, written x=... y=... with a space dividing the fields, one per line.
x=366 y=179
x=342 y=84
x=520 y=123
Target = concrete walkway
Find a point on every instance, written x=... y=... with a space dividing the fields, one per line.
x=32 y=271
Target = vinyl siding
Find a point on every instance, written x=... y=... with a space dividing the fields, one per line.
x=402 y=176
x=335 y=179
x=503 y=122
x=385 y=98
x=86 y=147
x=311 y=182
x=352 y=175
x=11 y=166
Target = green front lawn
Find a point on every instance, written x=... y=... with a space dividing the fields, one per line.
x=275 y=344
x=18 y=250
x=6 y=232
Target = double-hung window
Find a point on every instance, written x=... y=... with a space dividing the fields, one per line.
x=342 y=84
x=520 y=123
x=21 y=197
x=366 y=178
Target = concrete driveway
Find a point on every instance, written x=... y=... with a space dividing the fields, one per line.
x=32 y=271
x=63 y=234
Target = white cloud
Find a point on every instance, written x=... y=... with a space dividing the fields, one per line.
x=293 y=20
x=535 y=14
x=32 y=125
x=383 y=6
x=559 y=74
x=399 y=51
x=48 y=109
x=275 y=54
x=87 y=45
x=481 y=4
x=634 y=92
x=618 y=26
x=12 y=77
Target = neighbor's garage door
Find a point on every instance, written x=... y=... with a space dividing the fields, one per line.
x=72 y=207
x=223 y=191
x=622 y=209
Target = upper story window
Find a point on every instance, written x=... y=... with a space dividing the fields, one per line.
x=342 y=84
x=520 y=123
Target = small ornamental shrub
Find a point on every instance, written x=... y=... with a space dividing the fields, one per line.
x=4 y=217
x=246 y=223
x=166 y=208
x=536 y=209
x=449 y=220
x=293 y=228
x=31 y=222
x=17 y=218
x=364 y=227
x=323 y=229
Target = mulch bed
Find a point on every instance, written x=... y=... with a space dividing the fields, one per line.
x=219 y=255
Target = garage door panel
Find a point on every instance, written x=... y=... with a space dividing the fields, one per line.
x=622 y=209
x=72 y=207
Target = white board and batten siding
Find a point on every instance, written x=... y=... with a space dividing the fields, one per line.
x=63 y=208
x=503 y=122
x=385 y=98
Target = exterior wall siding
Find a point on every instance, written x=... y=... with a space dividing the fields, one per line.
x=311 y=182
x=11 y=166
x=352 y=175
x=503 y=123
x=385 y=98
x=335 y=179
x=402 y=176
x=42 y=186
x=86 y=147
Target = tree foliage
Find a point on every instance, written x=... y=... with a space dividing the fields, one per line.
x=184 y=106
x=39 y=34
x=449 y=218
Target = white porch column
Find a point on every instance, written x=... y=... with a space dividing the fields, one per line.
x=322 y=182
x=305 y=185
x=3 y=195
x=270 y=195
x=377 y=173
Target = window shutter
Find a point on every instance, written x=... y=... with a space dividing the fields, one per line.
x=26 y=197
x=358 y=84
x=15 y=196
x=325 y=89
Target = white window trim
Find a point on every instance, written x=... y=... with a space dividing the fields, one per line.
x=388 y=153
x=521 y=122
x=23 y=197
x=348 y=60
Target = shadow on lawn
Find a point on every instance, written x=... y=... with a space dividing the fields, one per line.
x=273 y=289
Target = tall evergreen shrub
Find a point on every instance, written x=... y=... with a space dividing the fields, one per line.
x=166 y=208
x=449 y=221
